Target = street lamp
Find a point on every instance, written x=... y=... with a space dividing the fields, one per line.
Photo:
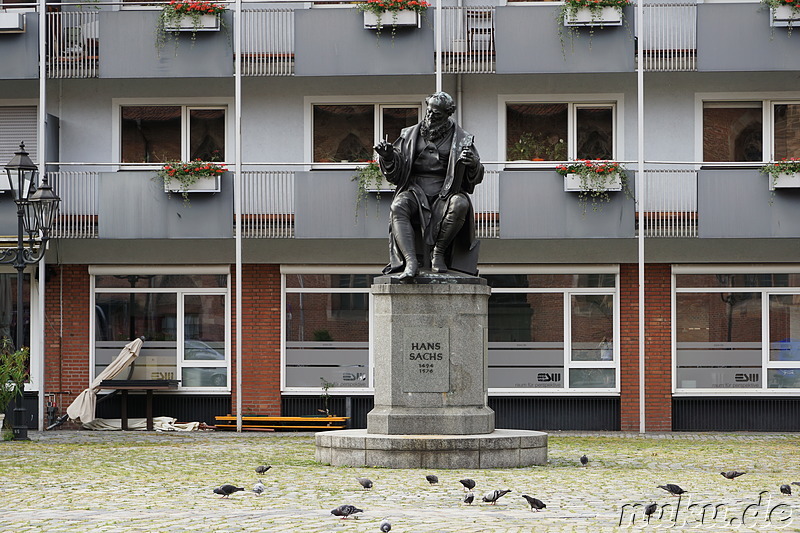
x=37 y=207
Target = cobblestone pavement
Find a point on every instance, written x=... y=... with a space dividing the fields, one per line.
x=75 y=481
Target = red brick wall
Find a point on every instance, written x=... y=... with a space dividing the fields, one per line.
x=658 y=363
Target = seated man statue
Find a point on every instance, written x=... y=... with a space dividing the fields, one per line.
x=434 y=165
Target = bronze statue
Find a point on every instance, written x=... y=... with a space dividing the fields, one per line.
x=434 y=165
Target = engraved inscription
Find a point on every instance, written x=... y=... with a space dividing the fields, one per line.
x=426 y=360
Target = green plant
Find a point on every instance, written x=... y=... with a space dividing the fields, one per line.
x=773 y=5
x=13 y=372
x=784 y=166
x=379 y=7
x=595 y=178
x=172 y=14
x=325 y=397
x=537 y=147
x=369 y=178
x=570 y=9
x=186 y=173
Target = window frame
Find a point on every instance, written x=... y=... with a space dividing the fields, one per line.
x=186 y=104
x=616 y=101
x=379 y=103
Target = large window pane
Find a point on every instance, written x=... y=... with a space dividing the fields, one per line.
x=732 y=131
x=787 y=131
x=592 y=327
x=536 y=132
x=784 y=327
x=718 y=340
x=320 y=281
x=204 y=377
x=343 y=132
x=207 y=134
x=592 y=378
x=204 y=327
x=595 y=133
x=546 y=281
x=151 y=134
x=397 y=118
x=160 y=281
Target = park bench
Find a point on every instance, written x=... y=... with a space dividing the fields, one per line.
x=282 y=423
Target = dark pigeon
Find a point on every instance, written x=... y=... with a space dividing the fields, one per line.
x=649 y=510
x=673 y=489
x=492 y=496
x=536 y=503
x=584 y=460
x=786 y=489
x=226 y=490
x=263 y=468
x=365 y=482
x=796 y=483
x=469 y=484
x=469 y=498
x=386 y=526
x=433 y=480
x=732 y=474
x=346 y=510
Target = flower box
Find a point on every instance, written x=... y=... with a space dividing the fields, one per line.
x=784 y=180
x=783 y=16
x=607 y=16
x=186 y=23
x=12 y=22
x=404 y=17
x=572 y=183
x=383 y=186
x=203 y=184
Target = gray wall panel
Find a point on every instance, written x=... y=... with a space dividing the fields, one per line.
x=527 y=40
x=533 y=205
x=325 y=204
x=128 y=49
x=739 y=37
x=19 y=52
x=335 y=43
x=738 y=203
x=135 y=206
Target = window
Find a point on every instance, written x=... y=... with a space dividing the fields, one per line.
x=345 y=133
x=17 y=124
x=560 y=131
x=738 y=131
x=736 y=331
x=160 y=133
x=184 y=318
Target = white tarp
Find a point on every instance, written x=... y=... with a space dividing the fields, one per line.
x=83 y=408
x=160 y=423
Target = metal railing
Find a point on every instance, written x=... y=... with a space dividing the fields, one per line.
x=74 y=44
x=668 y=38
x=468 y=39
x=669 y=207
x=267 y=42
x=268 y=204
x=79 y=192
x=485 y=202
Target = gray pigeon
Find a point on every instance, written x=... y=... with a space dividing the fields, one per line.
x=673 y=489
x=433 y=480
x=346 y=510
x=226 y=490
x=492 y=496
x=386 y=526
x=469 y=498
x=469 y=484
x=536 y=503
x=796 y=483
x=259 y=488
x=584 y=460
x=365 y=482
x=786 y=489
x=732 y=474
x=649 y=510
x=263 y=468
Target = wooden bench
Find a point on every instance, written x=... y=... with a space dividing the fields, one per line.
x=282 y=423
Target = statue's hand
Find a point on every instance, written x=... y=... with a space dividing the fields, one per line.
x=384 y=150
x=468 y=158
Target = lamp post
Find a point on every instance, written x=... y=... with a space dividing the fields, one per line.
x=36 y=212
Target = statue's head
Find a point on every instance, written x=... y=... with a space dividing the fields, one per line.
x=442 y=102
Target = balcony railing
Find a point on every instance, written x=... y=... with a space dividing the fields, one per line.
x=468 y=39
x=268 y=204
x=74 y=44
x=668 y=37
x=267 y=42
x=669 y=207
x=79 y=192
x=485 y=202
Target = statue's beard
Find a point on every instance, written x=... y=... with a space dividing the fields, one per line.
x=434 y=131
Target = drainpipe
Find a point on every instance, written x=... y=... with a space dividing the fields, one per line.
x=41 y=151
x=237 y=199
x=640 y=186
x=437 y=29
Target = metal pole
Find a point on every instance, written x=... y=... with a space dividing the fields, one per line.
x=640 y=189
x=237 y=200
x=437 y=28
x=41 y=151
x=20 y=425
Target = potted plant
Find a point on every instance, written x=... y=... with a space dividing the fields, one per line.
x=370 y=179
x=187 y=15
x=593 y=180
x=593 y=12
x=402 y=12
x=190 y=176
x=13 y=374
x=538 y=147
x=783 y=173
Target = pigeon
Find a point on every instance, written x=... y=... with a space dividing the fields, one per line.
x=259 y=488
x=536 y=503
x=226 y=490
x=263 y=468
x=673 y=489
x=433 y=480
x=469 y=484
x=469 y=498
x=365 y=482
x=731 y=474
x=386 y=526
x=492 y=496
x=796 y=483
x=786 y=489
x=584 y=460
x=346 y=510
x=650 y=509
